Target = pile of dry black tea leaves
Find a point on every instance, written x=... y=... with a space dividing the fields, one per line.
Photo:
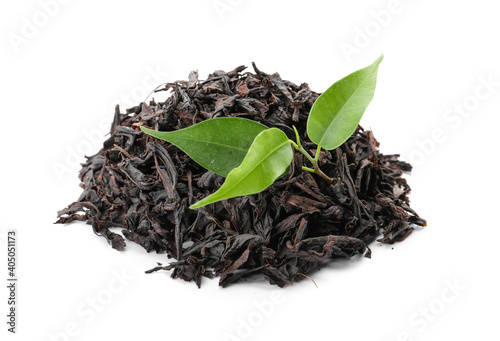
x=145 y=187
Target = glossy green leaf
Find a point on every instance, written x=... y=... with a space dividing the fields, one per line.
x=217 y=144
x=336 y=113
x=268 y=157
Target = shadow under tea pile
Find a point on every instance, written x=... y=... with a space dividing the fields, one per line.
x=145 y=186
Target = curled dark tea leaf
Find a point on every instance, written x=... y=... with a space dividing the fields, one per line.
x=145 y=187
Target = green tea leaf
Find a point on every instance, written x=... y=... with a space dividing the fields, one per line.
x=268 y=157
x=337 y=112
x=217 y=144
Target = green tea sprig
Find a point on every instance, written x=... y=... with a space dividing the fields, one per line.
x=252 y=156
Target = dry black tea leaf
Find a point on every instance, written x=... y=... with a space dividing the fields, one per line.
x=145 y=187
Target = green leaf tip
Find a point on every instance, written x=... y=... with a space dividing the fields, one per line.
x=336 y=113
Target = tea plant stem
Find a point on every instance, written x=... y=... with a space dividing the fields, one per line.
x=307 y=169
x=318 y=152
x=314 y=162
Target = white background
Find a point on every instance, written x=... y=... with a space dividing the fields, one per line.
x=61 y=80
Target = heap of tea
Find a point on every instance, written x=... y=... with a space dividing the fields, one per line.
x=327 y=205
